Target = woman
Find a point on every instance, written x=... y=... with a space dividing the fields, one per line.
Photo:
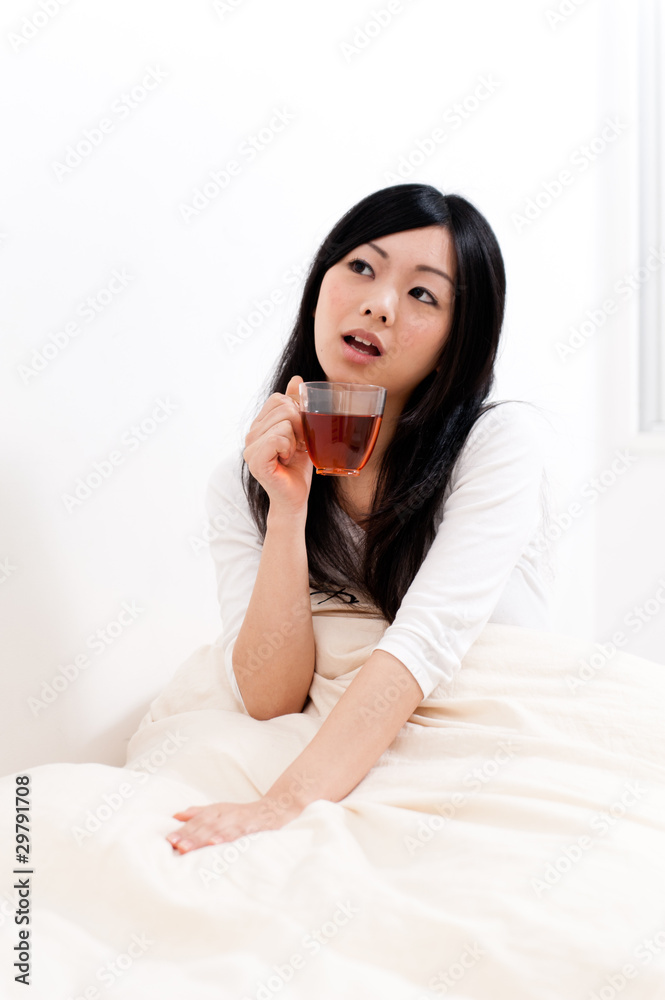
x=439 y=530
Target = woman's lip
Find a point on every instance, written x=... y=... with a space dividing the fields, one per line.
x=351 y=354
x=365 y=335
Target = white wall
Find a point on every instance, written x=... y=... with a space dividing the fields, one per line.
x=630 y=557
x=352 y=117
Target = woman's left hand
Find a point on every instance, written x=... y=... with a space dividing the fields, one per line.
x=220 y=822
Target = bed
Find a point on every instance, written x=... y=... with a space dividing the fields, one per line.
x=510 y=843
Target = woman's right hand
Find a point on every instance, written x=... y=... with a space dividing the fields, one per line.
x=275 y=451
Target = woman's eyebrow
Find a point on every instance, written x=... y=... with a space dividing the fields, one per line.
x=418 y=267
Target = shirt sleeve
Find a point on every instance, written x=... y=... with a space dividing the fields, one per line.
x=236 y=548
x=490 y=514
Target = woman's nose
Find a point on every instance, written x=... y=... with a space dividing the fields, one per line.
x=381 y=303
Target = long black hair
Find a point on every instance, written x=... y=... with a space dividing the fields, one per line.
x=436 y=419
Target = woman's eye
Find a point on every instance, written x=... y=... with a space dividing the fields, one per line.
x=358 y=261
x=364 y=264
x=426 y=293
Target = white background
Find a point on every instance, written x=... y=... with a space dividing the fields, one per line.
x=360 y=106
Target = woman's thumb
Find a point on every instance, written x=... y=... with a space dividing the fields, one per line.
x=292 y=389
x=293 y=393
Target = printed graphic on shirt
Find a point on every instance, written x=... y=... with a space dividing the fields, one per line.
x=340 y=594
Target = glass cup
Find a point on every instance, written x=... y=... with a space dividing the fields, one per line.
x=341 y=421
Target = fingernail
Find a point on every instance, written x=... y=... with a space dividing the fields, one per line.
x=185 y=844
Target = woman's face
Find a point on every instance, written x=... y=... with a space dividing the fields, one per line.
x=399 y=287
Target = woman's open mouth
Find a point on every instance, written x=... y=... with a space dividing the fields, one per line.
x=356 y=351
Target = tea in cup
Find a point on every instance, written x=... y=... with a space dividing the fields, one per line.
x=341 y=422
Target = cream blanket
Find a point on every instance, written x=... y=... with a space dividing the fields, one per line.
x=510 y=843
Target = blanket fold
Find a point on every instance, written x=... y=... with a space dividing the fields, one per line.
x=508 y=843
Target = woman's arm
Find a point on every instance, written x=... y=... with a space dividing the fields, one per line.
x=361 y=726
x=274 y=653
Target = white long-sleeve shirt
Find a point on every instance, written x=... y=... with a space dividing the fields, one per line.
x=489 y=561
